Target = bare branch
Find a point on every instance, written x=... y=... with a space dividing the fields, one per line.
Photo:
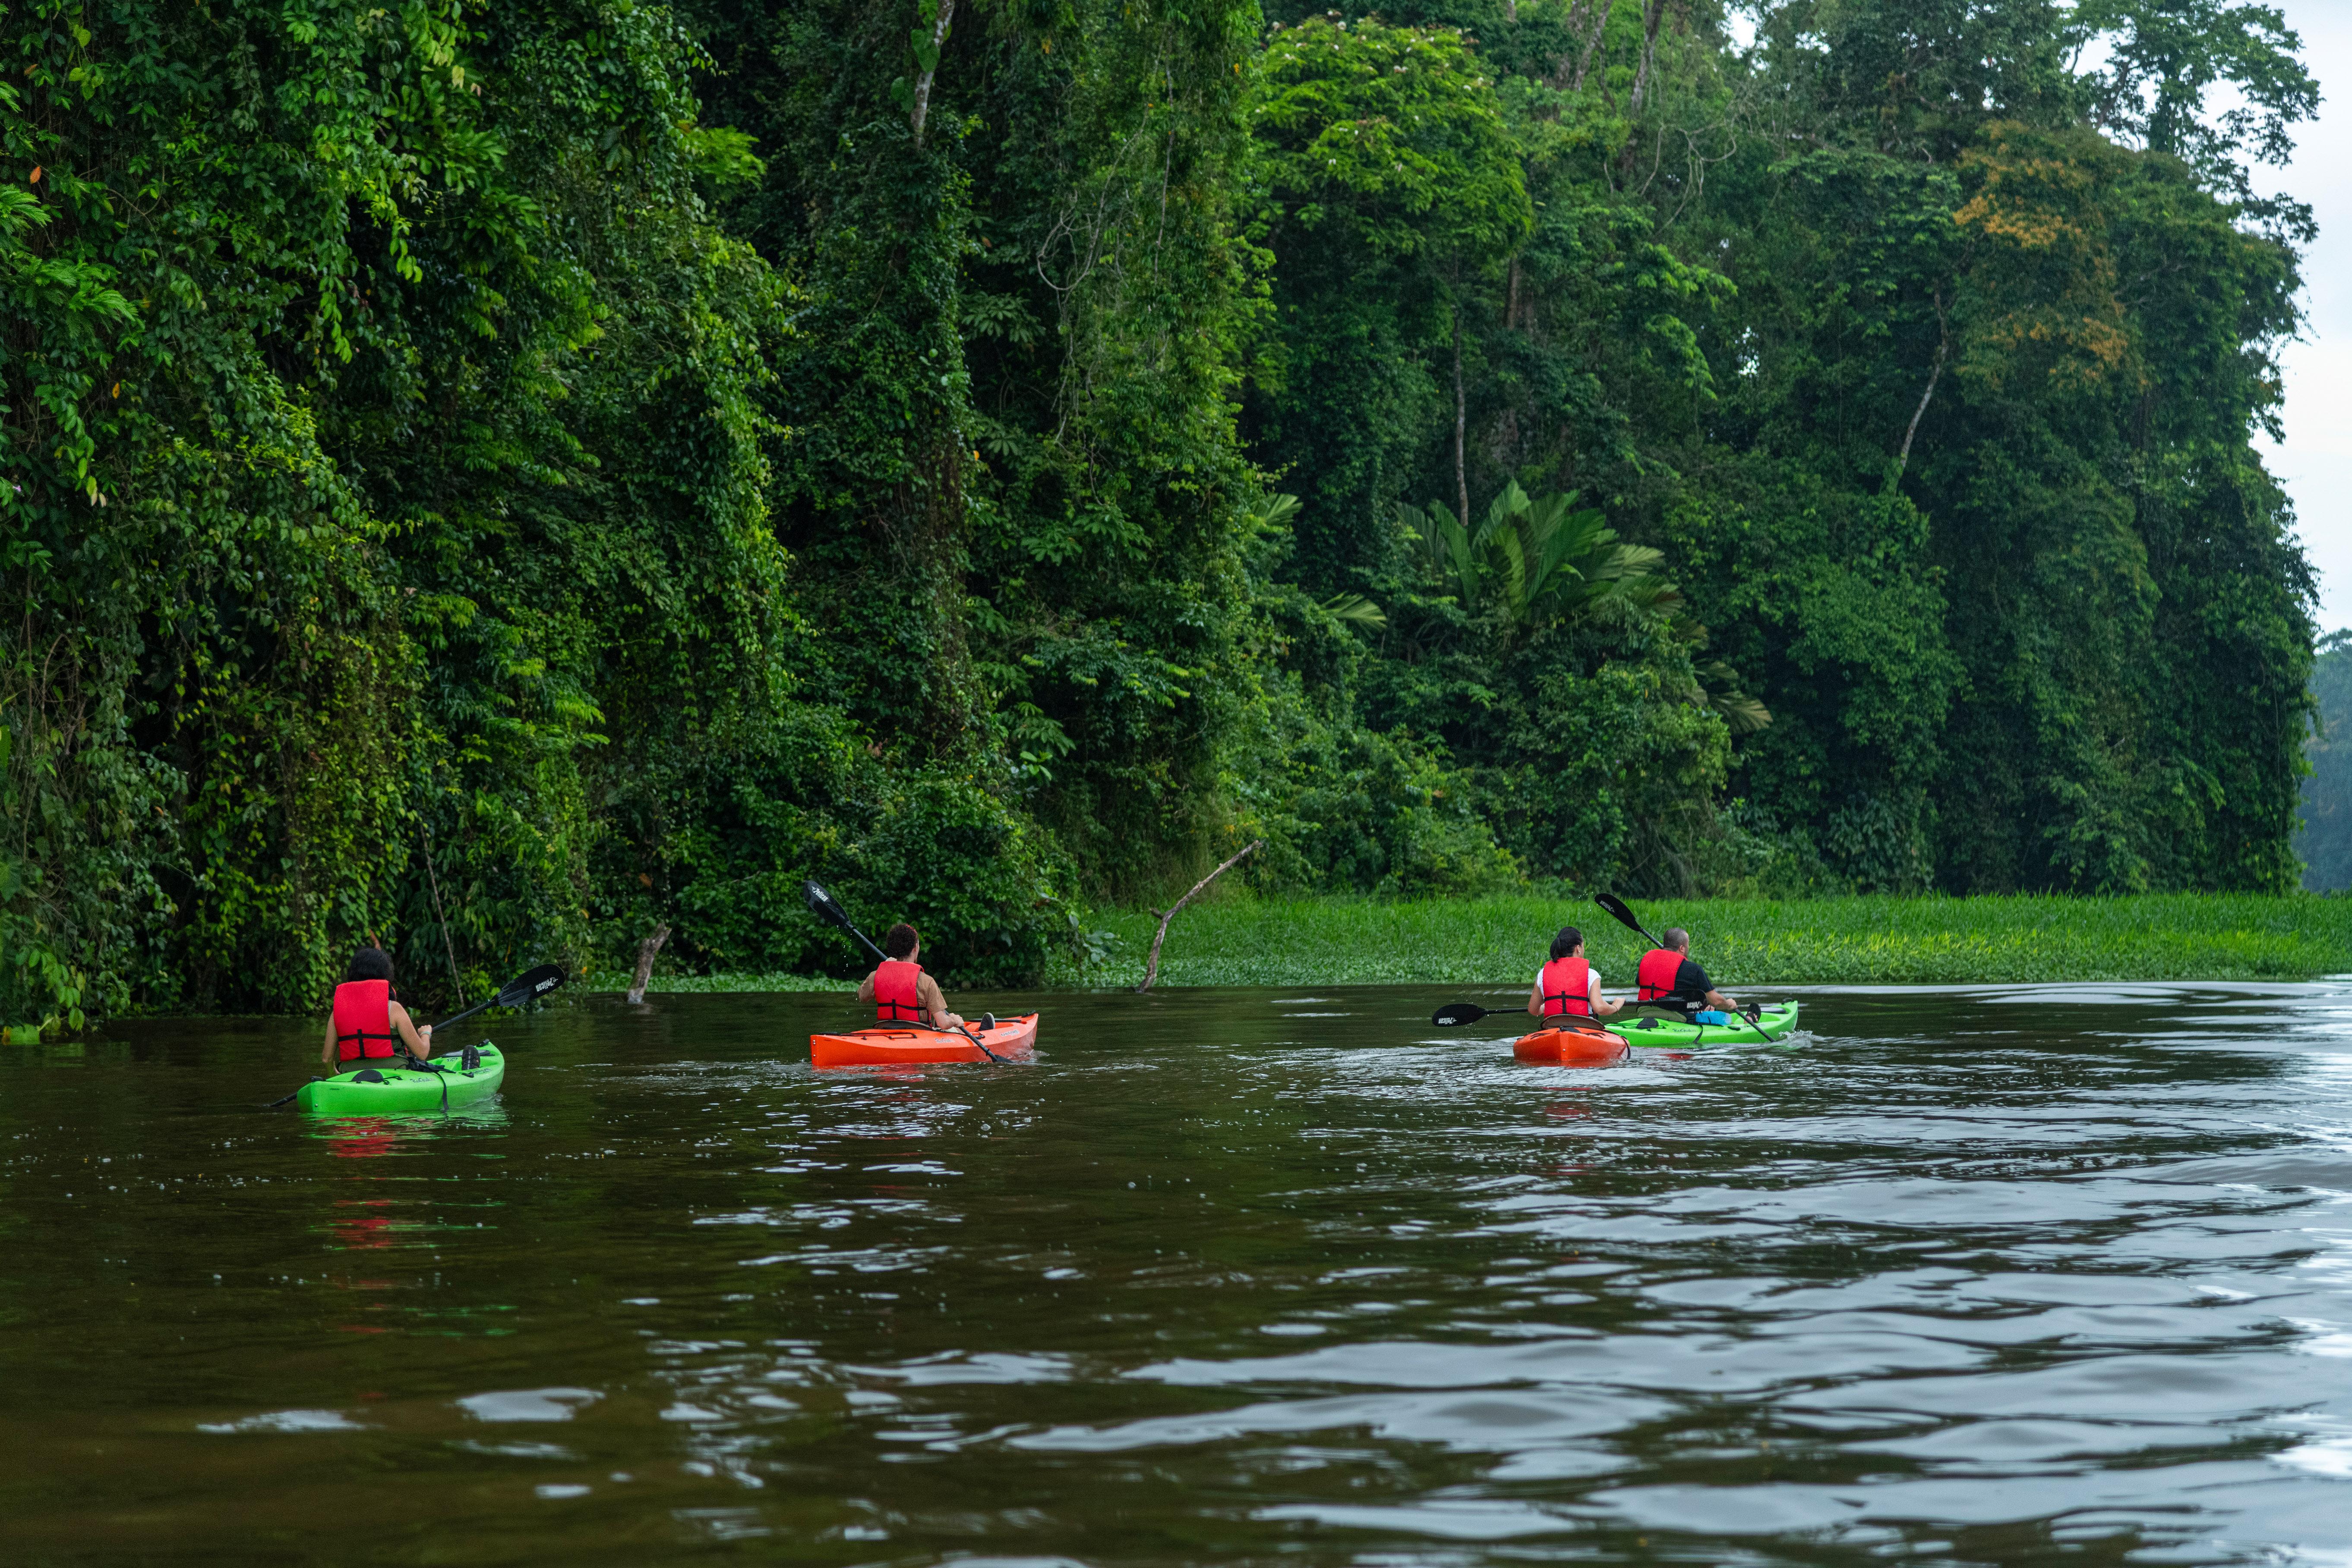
x=1151 y=968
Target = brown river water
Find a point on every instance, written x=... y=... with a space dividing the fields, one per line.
x=2039 y=1275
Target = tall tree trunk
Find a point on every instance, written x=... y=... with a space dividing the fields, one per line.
x=1649 y=53
x=923 y=83
x=1942 y=347
x=1592 y=45
x=1461 y=421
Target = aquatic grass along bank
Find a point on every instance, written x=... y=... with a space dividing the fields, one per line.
x=1499 y=940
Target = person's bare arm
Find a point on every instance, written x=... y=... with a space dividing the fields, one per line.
x=1718 y=1000
x=1534 y=999
x=1601 y=1006
x=935 y=1005
x=865 y=989
x=327 y=1051
x=420 y=1041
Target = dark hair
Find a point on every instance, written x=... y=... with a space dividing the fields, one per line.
x=899 y=940
x=1565 y=945
x=369 y=963
x=1677 y=939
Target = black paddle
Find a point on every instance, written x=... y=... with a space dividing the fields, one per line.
x=1616 y=906
x=823 y=905
x=1455 y=1013
x=1624 y=916
x=523 y=988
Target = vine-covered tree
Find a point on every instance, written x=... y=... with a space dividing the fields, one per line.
x=508 y=481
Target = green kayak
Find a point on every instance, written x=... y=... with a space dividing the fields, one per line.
x=392 y=1090
x=1780 y=1019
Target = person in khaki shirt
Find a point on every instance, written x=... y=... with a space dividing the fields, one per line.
x=901 y=992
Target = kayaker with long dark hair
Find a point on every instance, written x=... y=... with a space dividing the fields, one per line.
x=1567 y=987
x=1670 y=975
x=369 y=1024
x=901 y=992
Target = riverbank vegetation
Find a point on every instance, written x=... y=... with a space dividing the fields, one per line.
x=1501 y=939
x=503 y=480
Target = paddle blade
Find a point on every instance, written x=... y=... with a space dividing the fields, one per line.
x=821 y=904
x=530 y=987
x=1455 y=1013
x=1622 y=915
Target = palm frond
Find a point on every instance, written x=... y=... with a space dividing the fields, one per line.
x=1273 y=512
x=1719 y=689
x=1356 y=611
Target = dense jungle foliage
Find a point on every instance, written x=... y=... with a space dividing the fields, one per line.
x=503 y=479
x=2324 y=834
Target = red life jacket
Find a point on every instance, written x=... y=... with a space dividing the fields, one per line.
x=1566 y=981
x=362 y=1019
x=898 y=992
x=1661 y=966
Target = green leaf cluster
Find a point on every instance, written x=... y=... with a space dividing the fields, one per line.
x=500 y=481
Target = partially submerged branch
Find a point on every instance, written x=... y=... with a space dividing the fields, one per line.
x=1151 y=968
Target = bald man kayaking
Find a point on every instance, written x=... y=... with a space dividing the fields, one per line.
x=1670 y=976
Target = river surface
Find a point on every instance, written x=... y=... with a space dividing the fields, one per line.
x=1226 y=1277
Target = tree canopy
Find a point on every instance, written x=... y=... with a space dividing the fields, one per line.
x=496 y=480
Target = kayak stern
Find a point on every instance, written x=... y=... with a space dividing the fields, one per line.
x=401 y=1088
x=1569 y=1047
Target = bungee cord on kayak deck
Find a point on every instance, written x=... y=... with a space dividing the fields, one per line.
x=354 y=1091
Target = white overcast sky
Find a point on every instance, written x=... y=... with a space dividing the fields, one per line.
x=2315 y=463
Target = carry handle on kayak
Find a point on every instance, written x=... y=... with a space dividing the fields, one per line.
x=824 y=906
x=526 y=987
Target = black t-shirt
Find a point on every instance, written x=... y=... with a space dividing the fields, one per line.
x=1690 y=981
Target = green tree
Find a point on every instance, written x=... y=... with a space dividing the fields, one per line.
x=2324 y=832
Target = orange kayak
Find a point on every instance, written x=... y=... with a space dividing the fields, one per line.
x=1570 y=1048
x=1015 y=1038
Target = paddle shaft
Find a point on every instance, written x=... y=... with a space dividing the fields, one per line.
x=1618 y=909
x=500 y=999
x=821 y=902
x=1623 y=912
x=461 y=1017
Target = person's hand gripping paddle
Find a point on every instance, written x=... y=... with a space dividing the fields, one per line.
x=1623 y=915
x=524 y=988
x=825 y=908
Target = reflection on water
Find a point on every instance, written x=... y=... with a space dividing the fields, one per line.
x=1969 y=1276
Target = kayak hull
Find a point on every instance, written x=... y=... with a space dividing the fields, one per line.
x=403 y=1089
x=898 y=1043
x=1779 y=1021
x=1569 y=1047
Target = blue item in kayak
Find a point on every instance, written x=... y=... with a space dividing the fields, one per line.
x=1711 y=1016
